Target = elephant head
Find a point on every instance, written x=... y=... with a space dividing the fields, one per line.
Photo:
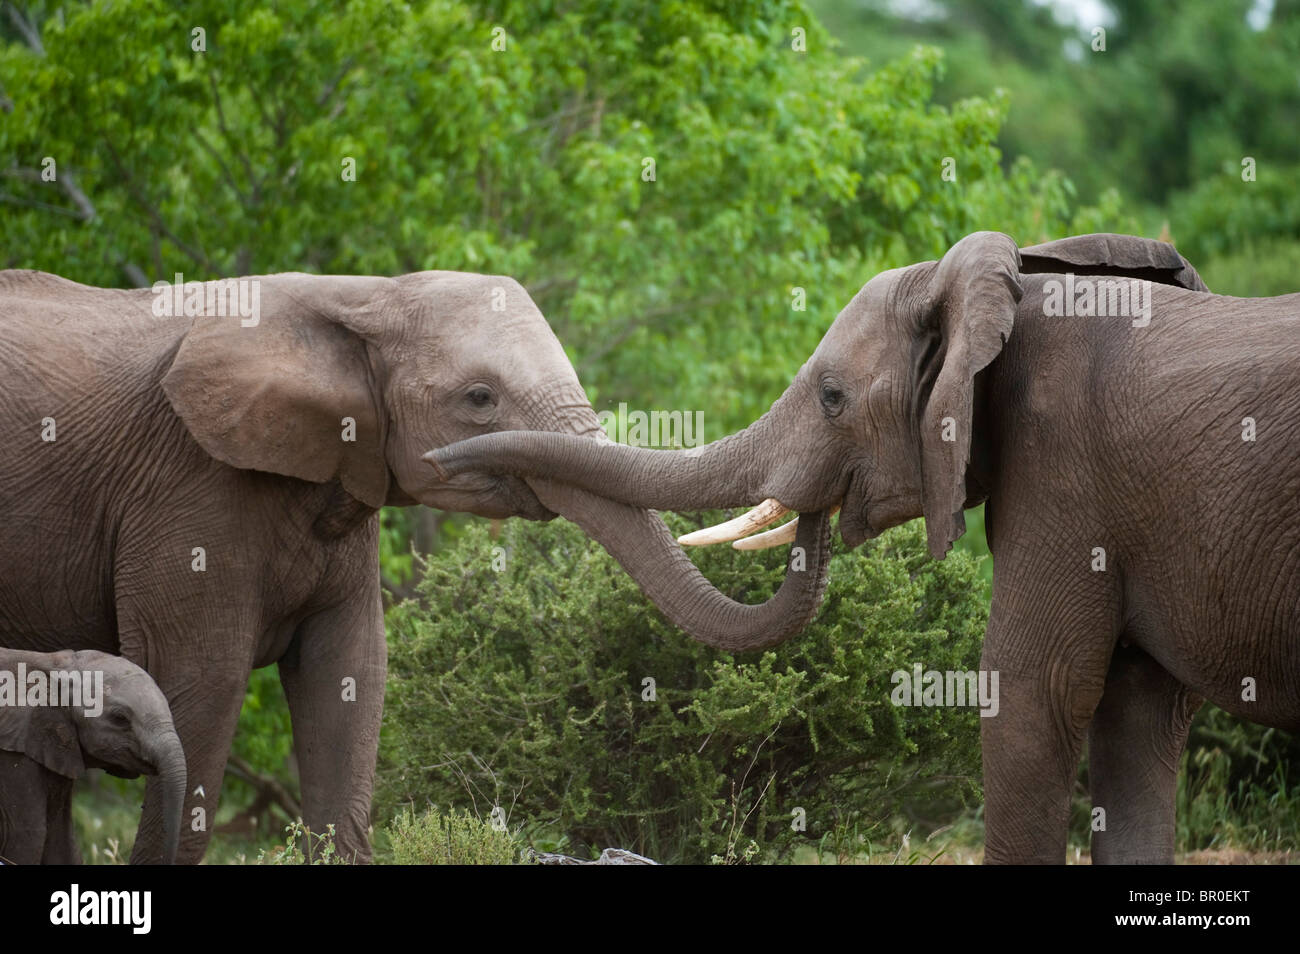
x=119 y=721
x=352 y=379
x=882 y=421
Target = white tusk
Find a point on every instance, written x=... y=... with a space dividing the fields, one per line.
x=764 y=515
x=773 y=538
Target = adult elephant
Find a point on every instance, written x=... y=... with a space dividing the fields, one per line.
x=201 y=494
x=1140 y=471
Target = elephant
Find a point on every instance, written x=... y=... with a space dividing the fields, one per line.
x=1139 y=473
x=61 y=713
x=192 y=476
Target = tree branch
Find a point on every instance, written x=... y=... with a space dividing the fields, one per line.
x=269 y=789
x=66 y=181
x=154 y=215
x=645 y=319
x=28 y=32
x=225 y=131
x=225 y=169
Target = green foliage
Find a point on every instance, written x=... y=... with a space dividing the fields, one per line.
x=265 y=733
x=1179 y=89
x=774 y=168
x=456 y=838
x=524 y=689
x=1257 y=270
x=303 y=846
x=1235 y=788
x=396 y=562
x=1224 y=215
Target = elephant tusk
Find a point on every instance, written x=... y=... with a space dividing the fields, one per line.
x=773 y=538
x=764 y=515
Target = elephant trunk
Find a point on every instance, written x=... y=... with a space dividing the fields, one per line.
x=168 y=758
x=726 y=473
x=643 y=545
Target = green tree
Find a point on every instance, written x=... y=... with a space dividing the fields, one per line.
x=773 y=168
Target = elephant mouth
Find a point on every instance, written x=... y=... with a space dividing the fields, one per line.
x=523 y=499
x=496 y=497
x=124 y=766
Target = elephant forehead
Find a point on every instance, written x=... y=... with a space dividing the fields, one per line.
x=449 y=291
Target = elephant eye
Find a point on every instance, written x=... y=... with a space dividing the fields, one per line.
x=832 y=398
x=479 y=396
x=119 y=718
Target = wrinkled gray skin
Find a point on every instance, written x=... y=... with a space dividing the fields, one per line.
x=43 y=749
x=201 y=513
x=1079 y=432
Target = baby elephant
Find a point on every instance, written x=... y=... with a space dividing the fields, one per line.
x=61 y=713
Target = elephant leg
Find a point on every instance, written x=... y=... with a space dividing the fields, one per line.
x=333 y=678
x=60 y=833
x=1134 y=744
x=1050 y=646
x=23 y=786
x=205 y=696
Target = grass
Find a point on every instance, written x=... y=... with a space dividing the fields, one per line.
x=1260 y=828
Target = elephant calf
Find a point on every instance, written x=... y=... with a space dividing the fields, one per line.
x=61 y=713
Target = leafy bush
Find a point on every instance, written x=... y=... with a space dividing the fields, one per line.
x=1259 y=270
x=457 y=838
x=530 y=689
x=1222 y=215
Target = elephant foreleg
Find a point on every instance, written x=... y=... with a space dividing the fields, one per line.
x=333 y=678
x=24 y=786
x=1134 y=744
x=60 y=832
x=205 y=696
x=1050 y=645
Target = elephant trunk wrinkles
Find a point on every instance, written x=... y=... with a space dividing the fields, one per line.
x=168 y=758
x=725 y=473
x=645 y=548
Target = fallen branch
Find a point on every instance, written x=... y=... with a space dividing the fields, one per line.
x=610 y=856
x=270 y=791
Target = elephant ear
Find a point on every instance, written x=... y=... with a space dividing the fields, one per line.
x=1105 y=253
x=971 y=306
x=274 y=396
x=45 y=734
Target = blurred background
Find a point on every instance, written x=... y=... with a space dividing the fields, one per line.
x=796 y=147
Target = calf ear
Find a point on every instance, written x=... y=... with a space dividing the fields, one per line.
x=1105 y=253
x=54 y=743
x=273 y=396
x=971 y=306
x=46 y=735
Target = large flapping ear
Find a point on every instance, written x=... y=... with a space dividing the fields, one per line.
x=1105 y=253
x=293 y=393
x=45 y=734
x=972 y=299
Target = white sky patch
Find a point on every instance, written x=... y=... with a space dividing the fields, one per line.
x=1260 y=14
x=1084 y=14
